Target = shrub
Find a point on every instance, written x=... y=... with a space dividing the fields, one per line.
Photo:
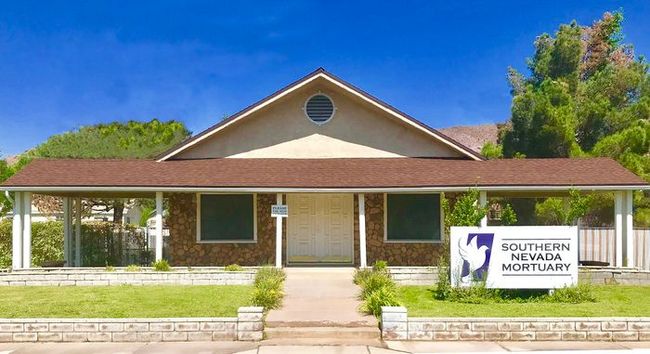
x=376 y=281
x=360 y=275
x=383 y=296
x=574 y=295
x=161 y=266
x=380 y=266
x=109 y=268
x=268 y=291
x=234 y=268
x=133 y=268
x=47 y=242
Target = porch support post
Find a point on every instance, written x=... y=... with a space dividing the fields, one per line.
x=618 y=227
x=363 y=260
x=77 y=233
x=67 y=231
x=278 y=235
x=159 y=226
x=628 y=228
x=27 y=230
x=482 y=200
x=17 y=232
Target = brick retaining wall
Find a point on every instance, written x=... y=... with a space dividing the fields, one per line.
x=247 y=326
x=98 y=276
x=595 y=275
x=396 y=325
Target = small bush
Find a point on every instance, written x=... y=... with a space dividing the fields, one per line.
x=109 y=268
x=233 y=268
x=380 y=266
x=133 y=268
x=360 y=275
x=573 y=295
x=384 y=296
x=161 y=266
x=376 y=281
x=268 y=291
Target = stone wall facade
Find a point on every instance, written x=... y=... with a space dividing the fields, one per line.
x=186 y=251
x=396 y=254
x=396 y=325
x=247 y=326
x=100 y=277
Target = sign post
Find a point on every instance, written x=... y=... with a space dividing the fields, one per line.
x=515 y=257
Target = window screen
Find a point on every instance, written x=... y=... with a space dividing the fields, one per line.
x=227 y=217
x=413 y=217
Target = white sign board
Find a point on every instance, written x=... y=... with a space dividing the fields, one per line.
x=515 y=257
x=281 y=211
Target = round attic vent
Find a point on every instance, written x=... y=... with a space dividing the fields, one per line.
x=319 y=108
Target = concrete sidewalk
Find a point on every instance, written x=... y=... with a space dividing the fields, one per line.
x=320 y=297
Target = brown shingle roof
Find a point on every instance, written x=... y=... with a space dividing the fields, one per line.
x=324 y=173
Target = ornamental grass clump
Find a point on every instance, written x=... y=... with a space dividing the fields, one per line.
x=233 y=268
x=161 y=266
x=268 y=291
x=377 y=288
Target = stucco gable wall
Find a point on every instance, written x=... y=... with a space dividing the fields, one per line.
x=282 y=130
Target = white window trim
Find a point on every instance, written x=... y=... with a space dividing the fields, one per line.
x=334 y=109
x=198 y=220
x=442 y=222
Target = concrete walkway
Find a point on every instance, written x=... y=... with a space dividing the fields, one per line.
x=320 y=297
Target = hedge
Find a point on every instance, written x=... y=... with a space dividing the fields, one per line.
x=47 y=242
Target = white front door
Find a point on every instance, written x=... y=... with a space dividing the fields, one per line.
x=320 y=228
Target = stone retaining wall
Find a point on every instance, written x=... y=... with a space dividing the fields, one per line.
x=595 y=275
x=86 y=277
x=396 y=325
x=247 y=326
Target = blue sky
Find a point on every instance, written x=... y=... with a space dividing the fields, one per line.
x=64 y=64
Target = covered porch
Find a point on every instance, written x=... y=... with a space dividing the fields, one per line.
x=349 y=212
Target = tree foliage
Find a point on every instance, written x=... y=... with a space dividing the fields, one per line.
x=586 y=95
x=563 y=211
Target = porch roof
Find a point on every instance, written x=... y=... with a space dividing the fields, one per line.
x=322 y=174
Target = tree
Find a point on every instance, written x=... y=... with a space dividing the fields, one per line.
x=132 y=139
x=5 y=172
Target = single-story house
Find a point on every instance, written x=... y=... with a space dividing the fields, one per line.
x=361 y=180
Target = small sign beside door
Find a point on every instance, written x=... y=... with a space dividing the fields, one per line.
x=279 y=211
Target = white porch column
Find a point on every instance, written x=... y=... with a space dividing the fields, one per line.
x=363 y=259
x=77 y=233
x=67 y=231
x=159 y=226
x=278 y=235
x=27 y=230
x=628 y=228
x=618 y=227
x=482 y=200
x=17 y=232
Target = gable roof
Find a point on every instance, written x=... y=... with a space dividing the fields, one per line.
x=316 y=74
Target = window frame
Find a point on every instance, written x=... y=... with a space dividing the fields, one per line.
x=442 y=220
x=198 y=220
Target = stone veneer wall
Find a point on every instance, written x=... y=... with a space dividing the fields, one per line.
x=397 y=254
x=185 y=250
x=247 y=326
x=396 y=325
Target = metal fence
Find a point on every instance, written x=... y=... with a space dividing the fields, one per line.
x=599 y=244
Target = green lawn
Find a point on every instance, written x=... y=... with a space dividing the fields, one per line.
x=123 y=301
x=612 y=300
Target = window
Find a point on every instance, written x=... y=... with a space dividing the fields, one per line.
x=226 y=218
x=412 y=218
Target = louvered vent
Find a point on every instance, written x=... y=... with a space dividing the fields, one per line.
x=319 y=108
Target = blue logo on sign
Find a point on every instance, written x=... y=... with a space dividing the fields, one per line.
x=475 y=250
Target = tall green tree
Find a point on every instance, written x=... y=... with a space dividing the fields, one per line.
x=118 y=140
